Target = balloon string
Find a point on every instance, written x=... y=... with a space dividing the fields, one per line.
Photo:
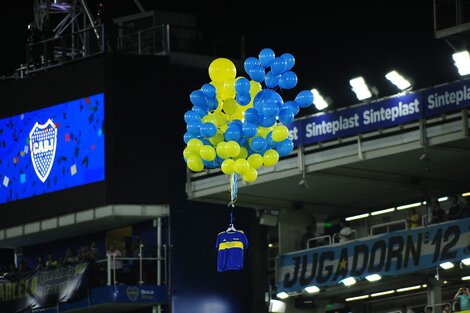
x=233 y=194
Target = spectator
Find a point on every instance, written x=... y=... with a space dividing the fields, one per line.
x=23 y=268
x=438 y=214
x=446 y=308
x=345 y=233
x=51 y=263
x=39 y=263
x=463 y=297
x=94 y=253
x=455 y=210
x=306 y=236
x=116 y=265
x=415 y=218
x=69 y=258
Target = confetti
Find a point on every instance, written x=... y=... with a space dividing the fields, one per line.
x=23 y=178
x=73 y=169
x=6 y=180
x=67 y=137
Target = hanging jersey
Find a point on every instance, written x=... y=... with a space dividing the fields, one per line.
x=230 y=248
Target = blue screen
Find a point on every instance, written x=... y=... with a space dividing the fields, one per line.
x=52 y=149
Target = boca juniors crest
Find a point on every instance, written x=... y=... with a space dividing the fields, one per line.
x=43 y=143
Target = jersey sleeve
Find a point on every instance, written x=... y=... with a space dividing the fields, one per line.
x=245 y=241
x=217 y=242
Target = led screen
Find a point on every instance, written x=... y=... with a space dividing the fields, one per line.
x=52 y=149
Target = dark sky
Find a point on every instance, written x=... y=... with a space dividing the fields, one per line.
x=332 y=41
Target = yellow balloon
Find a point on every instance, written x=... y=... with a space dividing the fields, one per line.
x=218 y=138
x=195 y=163
x=233 y=148
x=228 y=166
x=209 y=118
x=255 y=87
x=270 y=157
x=194 y=145
x=230 y=106
x=250 y=175
x=241 y=166
x=220 y=117
x=187 y=153
x=255 y=160
x=222 y=150
x=243 y=153
x=263 y=131
x=207 y=153
x=228 y=89
x=221 y=69
x=280 y=132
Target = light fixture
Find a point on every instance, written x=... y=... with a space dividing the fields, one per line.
x=408 y=288
x=462 y=62
x=360 y=88
x=443 y=199
x=466 y=194
x=447 y=265
x=407 y=206
x=312 y=289
x=383 y=293
x=466 y=278
x=318 y=101
x=348 y=281
x=282 y=295
x=398 y=80
x=466 y=261
x=382 y=211
x=373 y=277
x=277 y=306
x=356 y=217
x=357 y=298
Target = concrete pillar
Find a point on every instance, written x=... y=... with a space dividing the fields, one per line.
x=434 y=294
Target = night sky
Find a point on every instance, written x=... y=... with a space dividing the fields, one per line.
x=332 y=41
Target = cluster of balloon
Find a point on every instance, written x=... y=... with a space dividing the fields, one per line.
x=238 y=125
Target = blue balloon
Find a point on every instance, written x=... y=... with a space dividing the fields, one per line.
x=250 y=62
x=267 y=95
x=242 y=85
x=188 y=136
x=236 y=123
x=208 y=130
x=243 y=99
x=286 y=116
x=198 y=98
x=257 y=73
x=267 y=121
x=304 y=98
x=252 y=116
x=271 y=80
x=284 y=147
x=205 y=141
x=209 y=91
x=278 y=66
x=201 y=111
x=290 y=60
x=194 y=128
x=269 y=108
x=288 y=80
x=266 y=57
x=242 y=141
x=232 y=133
x=249 y=130
x=210 y=164
x=294 y=107
x=258 y=144
x=191 y=116
x=212 y=104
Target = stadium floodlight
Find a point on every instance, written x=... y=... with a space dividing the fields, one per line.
x=408 y=206
x=356 y=217
x=382 y=293
x=318 y=101
x=466 y=261
x=282 y=295
x=373 y=277
x=408 y=288
x=357 y=298
x=398 y=80
x=462 y=62
x=447 y=265
x=465 y=278
x=382 y=211
x=312 y=289
x=466 y=194
x=443 y=199
x=348 y=281
x=360 y=88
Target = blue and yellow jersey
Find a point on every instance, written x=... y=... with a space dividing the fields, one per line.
x=230 y=246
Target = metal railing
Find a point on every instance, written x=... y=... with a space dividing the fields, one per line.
x=319 y=239
x=388 y=227
x=111 y=275
x=66 y=48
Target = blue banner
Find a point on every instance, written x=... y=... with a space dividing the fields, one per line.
x=447 y=98
x=390 y=254
x=51 y=149
x=381 y=114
